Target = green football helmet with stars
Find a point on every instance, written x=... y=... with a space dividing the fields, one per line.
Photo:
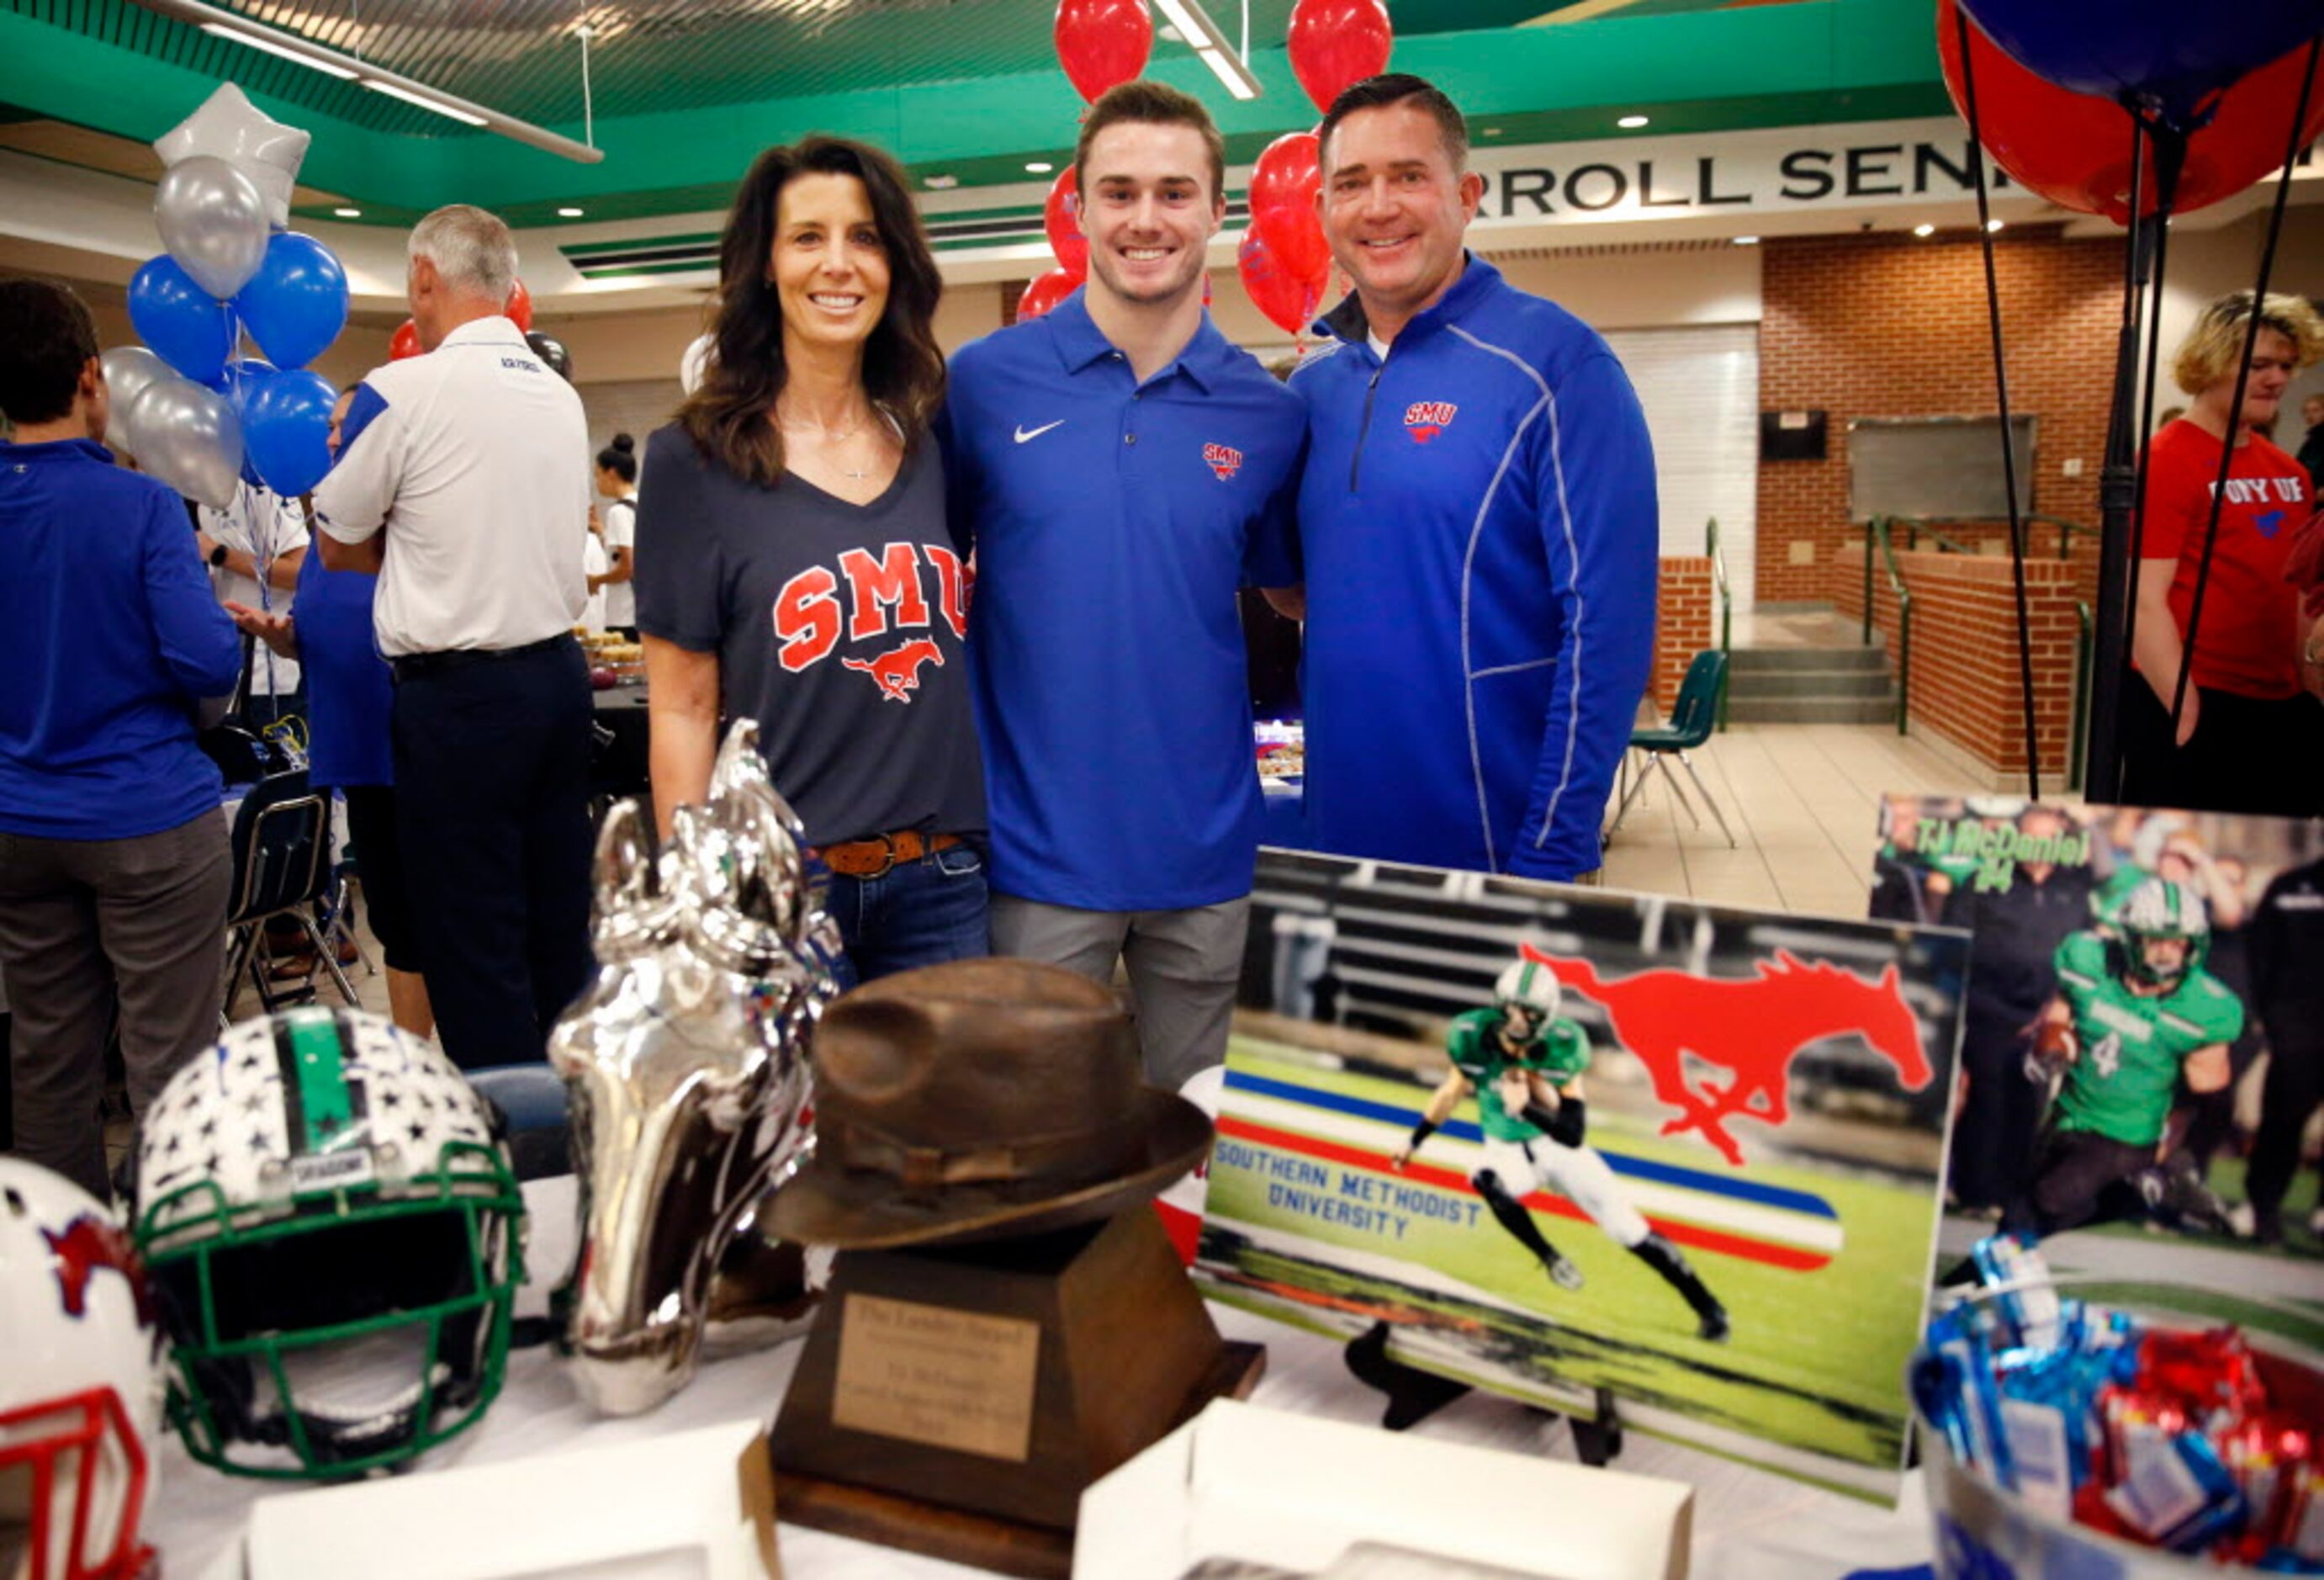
x=328 y=1211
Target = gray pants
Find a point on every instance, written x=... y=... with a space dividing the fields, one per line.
x=1182 y=967
x=81 y=918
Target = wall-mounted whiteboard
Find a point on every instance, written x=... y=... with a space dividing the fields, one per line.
x=1936 y=466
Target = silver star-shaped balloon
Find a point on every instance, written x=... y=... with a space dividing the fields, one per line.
x=228 y=127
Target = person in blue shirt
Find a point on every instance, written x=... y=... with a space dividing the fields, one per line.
x=350 y=693
x=114 y=866
x=1122 y=471
x=1477 y=523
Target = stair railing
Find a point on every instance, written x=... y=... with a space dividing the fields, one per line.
x=2085 y=643
x=1726 y=612
x=1878 y=530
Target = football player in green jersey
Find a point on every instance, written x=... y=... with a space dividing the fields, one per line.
x=2136 y=1017
x=1523 y=1066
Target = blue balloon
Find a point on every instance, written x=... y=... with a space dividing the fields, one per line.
x=287 y=431
x=2160 y=50
x=188 y=328
x=297 y=303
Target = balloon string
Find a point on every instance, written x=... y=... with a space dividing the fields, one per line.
x=2143 y=402
x=2242 y=377
x=2009 y=439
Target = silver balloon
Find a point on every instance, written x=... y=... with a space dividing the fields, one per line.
x=128 y=369
x=213 y=221
x=687 y=1061
x=189 y=438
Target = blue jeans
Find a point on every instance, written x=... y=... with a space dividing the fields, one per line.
x=918 y=913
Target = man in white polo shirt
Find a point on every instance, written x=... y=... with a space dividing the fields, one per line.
x=461 y=479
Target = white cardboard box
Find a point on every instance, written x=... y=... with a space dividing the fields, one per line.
x=692 y=1503
x=1268 y=1487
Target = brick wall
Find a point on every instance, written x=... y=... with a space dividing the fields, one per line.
x=1964 y=683
x=1685 y=623
x=1895 y=325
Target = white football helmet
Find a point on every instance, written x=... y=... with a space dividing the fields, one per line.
x=80 y=1384
x=1528 y=994
x=334 y=1232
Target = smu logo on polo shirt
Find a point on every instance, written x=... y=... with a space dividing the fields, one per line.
x=1427 y=419
x=1224 y=461
x=885 y=594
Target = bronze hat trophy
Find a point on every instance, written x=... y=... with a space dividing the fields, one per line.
x=1007 y=1320
x=686 y=1062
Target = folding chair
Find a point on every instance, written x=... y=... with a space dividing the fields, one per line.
x=1690 y=721
x=282 y=867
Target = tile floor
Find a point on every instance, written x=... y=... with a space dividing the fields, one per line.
x=1803 y=802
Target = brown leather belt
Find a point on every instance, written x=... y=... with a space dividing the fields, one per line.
x=871 y=858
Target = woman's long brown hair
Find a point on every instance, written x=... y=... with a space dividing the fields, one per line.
x=729 y=415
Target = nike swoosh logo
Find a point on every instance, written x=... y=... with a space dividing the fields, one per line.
x=1022 y=434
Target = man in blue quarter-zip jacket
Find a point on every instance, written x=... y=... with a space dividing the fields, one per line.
x=1478 y=525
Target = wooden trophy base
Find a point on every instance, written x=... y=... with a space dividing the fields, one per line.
x=954 y=1401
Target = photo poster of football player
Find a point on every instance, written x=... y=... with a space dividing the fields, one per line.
x=1563 y=1140
x=2142 y=1049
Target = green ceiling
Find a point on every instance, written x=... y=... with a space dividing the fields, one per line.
x=687 y=92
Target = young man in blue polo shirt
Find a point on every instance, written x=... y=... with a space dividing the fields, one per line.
x=113 y=867
x=1478 y=522
x=1122 y=469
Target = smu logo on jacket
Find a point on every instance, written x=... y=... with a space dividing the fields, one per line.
x=1222 y=459
x=1427 y=419
x=903 y=589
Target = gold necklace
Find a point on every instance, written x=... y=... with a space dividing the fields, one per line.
x=830 y=438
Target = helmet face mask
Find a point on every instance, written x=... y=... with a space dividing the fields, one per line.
x=80 y=1384
x=1527 y=995
x=339 y=1288
x=2159 y=911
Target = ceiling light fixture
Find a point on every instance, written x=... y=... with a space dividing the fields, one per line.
x=348 y=213
x=1746 y=241
x=1039 y=167
x=1925 y=230
x=568 y=213
x=291 y=46
x=942 y=183
x=1631 y=122
x=1993 y=224
x=425 y=101
x=256 y=41
x=1196 y=26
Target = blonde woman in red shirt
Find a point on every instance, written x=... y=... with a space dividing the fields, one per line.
x=2251 y=735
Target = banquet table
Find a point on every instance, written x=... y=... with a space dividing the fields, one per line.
x=1750 y=1524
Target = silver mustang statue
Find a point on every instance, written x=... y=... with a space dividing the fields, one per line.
x=686 y=1065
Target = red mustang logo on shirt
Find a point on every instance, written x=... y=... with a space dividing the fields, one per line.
x=1222 y=460
x=897 y=671
x=1427 y=419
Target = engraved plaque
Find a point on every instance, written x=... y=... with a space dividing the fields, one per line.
x=935 y=1375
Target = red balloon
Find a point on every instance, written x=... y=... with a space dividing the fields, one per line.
x=1046 y=292
x=404 y=342
x=1282 y=188
x=519 y=305
x=1289 y=300
x=2074 y=149
x=1103 y=42
x=1061 y=217
x=1335 y=44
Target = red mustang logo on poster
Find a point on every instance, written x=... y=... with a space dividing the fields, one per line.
x=1752 y=1027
